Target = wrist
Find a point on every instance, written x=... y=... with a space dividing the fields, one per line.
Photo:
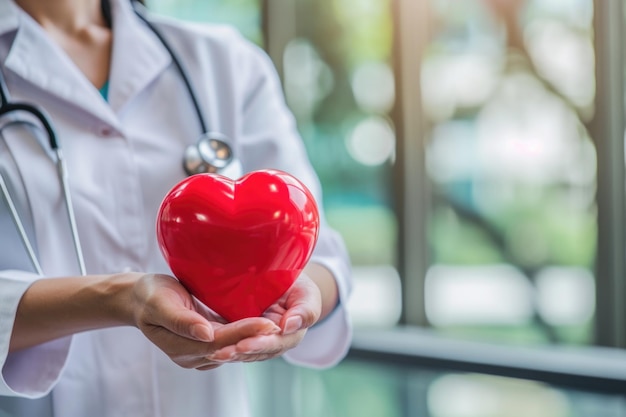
x=327 y=285
x=118 y=290
x=57 y=307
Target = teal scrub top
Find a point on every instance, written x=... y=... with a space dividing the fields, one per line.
x=104 y=90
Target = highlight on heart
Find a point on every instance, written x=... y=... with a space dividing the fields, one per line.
x=238 y=245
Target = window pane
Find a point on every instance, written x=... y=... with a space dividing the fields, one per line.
x=339 y=82
x=244 y=14
x=508 y=87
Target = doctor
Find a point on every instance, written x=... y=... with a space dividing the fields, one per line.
x=126 y=339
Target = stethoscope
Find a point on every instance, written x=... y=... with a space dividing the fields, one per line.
x=210 y=154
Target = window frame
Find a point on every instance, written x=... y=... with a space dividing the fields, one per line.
x=607 y=131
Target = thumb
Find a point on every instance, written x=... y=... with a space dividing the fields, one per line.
x=162 y=302
x=303 y=307
x=189 y=324
x=202 y=332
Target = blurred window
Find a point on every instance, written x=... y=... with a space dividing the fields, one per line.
x=339 y=82
x=507 y=88
x=245 y=15
x=453 y=142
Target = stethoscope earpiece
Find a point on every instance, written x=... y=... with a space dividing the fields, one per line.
x=211 y=154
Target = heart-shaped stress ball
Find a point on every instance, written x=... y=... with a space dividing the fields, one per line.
x=237 y=246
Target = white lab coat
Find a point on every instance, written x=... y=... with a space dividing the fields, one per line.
x=123 y=156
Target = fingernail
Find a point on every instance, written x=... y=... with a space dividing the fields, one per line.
x=202 y=333
x=292 y=324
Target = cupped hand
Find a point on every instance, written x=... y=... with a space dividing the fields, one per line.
x=295 y=312
x=184 y=329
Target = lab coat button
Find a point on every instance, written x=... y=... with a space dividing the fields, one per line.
x=105 y=131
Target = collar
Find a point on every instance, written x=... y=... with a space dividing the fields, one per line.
x=9 y=13
x=138 y=57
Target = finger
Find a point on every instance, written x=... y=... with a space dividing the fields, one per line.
x=258 y=349
x=209 y=367
x=185 y=323
x=250 y=358
x=275 y=313
x=185 y=352
x=269 y=345
x=263 y=344
x=293 y=322
x=232 y=333
x=192 y=354
x=258 y=358
x=225 y=354
x=170 y=306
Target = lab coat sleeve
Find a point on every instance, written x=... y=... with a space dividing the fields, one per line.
x=32 y=372
x=270 y=139
x=327 y=342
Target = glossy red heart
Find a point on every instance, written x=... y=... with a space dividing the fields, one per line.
x=237 y=246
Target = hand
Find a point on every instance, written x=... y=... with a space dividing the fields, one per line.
x=297 y=310
x=158 y=305
x=183 y=328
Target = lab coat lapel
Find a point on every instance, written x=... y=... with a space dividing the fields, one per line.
x=138 y=56
x=36 y=59
x=8 y=16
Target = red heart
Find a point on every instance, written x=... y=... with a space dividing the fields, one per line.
x=237 y=246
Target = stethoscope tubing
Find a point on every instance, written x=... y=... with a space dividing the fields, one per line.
x=217 y=149
x=8 y=107
x=139 y=11
x=17 y=220
x=69 y=209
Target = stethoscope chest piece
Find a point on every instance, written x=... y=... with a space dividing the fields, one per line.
x=211 y=154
